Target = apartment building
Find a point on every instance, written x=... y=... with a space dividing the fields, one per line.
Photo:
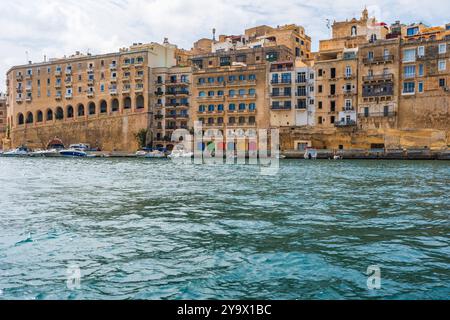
x=230 y=91
x=291 y=36
x=379 y=85
x=291 y=90
x=336 y=68
x=172 y=103
x=425 y=77
x=103 y=100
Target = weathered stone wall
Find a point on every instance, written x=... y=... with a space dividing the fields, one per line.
x=109 y=133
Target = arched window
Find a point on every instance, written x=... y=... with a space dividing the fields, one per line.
x=241 y=120
x=103 y=106
x=92 y=109
x=140 y=102
x=211 y=108
x=252 y=106
x=115 y=105
x=232 y=120
x=20 y=119
x=232 y=107
x=201 y=108
x=30 y=118
x=81 y=110
x=59 y=114
x=70 y=113
x=354 y=31
x=251 y=120
x=242 y=106
x=49 y=115
x=40 y=116
x=127 y=103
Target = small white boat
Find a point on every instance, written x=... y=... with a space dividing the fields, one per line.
x=73 y=153
x=177 y=154
x=45 y=153
x=155 y=155
x=338 y=158
x=80 y=146
x=19 y=152
x=141 y=153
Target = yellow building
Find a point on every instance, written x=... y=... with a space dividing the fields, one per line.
x=230 y=89
x=103 y=100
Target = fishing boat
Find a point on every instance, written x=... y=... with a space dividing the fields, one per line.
x=19 y=152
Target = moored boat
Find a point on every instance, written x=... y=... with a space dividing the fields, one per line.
x=19 y=152
x=73 y=153
x=155 y=155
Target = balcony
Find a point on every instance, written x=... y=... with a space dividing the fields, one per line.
x=114 y=80
x=68 y=72
x=379 y=77
x=19 y=89
x=349 y=92
x=280 y=107
x=177 y=93
x=139 y=64
x=241 y=83
x=379 y=59
x=281 y=82
x=29 y=99
x=126 y=66
x=28 y=76
x=19 y=77
x=29 y=88
x=90 y=70
x=112 y=67
x=211 y=98
x=139 y=89
x=58 y=97
x=243 y=97
x=344 y=124
x=211 y=85
x=126 y=90
x=90 y=82
x=301 y=107
x=58 y=85
x=113 y=91
x=281 y=95
x=19 y=99
x=349 y=76
x=390 y=114
x=58 y=73
x=68 y=83
x=177 y=83
x=69 y=96
x=91 y=94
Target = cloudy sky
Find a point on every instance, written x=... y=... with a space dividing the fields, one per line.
x=60 y=27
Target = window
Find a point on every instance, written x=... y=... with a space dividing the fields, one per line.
x=225 y=61
x=220 y=107
x=252 y=92
x=242 y=92
x=320 y=73
x=348 y=71
x=386 y=111
x=252 y=106
x=252 y=77
x=201 y=108
x=370 y=55
x=442 y=48
x=348 y=104
x=421 y=51
x=409 y=55
x=420 y=87
x=354 y=31
x=442 y=65
x=210 y=80
x=211 y=108
x=202 y=94
x=412 y=31
x=333 y=106
x=242 y=106
x=211 y=93
x=320 y=104
x=409 y=71
x=220 y=93
x=220 y=79
x=332 y=89
x=408 y=87
x=242 y=77
x=420 y=70
x=232 y=93
x=441 y=83
x=232 y=107
x=232 y=78
x=333 y=73
x=320 y=89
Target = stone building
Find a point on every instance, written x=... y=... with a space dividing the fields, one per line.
x=230 y=90
x=171 y=104
x=336 y=68
x=379 y=85
x=103 y=100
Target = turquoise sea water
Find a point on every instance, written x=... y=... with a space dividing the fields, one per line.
x=143 y=229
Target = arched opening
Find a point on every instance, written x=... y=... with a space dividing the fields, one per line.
x=115 y=105
x=81 y=110
x=49 y=115
x=103 y=106
x=30 y=118
x=70 y=112
x=127 y=103
x=20 y=119
x=354 y=31
x=59 y=114
x=140 y=102
x=91 y=108
x=40 y=116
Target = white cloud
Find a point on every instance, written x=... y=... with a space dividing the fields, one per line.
x=56 y=28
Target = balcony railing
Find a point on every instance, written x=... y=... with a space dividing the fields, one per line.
x=347 y=123
x=281 y=95
x=280 y=107
x=378 y=77
x=282 y=81
x=379 y=59
x=378 y=114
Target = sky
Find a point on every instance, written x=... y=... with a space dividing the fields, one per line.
x=31 y=29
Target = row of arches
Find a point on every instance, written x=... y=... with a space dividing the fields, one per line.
x=79 y=111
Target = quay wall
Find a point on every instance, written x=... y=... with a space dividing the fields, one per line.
x=109 y=133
